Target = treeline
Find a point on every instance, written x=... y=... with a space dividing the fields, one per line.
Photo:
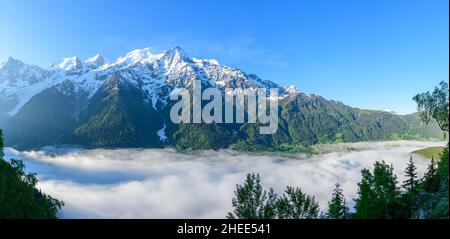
x=19 y=197
x=380 y=196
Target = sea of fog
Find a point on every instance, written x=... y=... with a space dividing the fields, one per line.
x=163 y=183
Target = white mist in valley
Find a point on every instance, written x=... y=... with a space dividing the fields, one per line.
x=163 y=183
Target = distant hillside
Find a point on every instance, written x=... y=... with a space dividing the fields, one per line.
x=431 y=152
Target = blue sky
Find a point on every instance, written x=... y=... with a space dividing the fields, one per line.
x=370 y=54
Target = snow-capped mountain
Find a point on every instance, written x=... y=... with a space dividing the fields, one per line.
x=18 y=83
x=124 y=102
x=95 y=61
x=154 y=73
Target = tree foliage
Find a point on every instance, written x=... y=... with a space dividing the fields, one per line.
x=297 y=205
x=432 y=199
x=19 y=197
x=411 y=181
x=431 y=179
x=252 y=202
x=434 y=105
x=378 y=193
x=337 y=206
x=378 y=197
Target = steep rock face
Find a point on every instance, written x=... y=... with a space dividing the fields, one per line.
x=125 y=103
x=15 y=80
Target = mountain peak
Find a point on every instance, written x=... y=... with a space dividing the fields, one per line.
x=11 y=63
x=175 y=55
x=67 y=64
x=178 y=50
x=138 y=56
x=12 y=59
x=95 y=61
x=291 y=89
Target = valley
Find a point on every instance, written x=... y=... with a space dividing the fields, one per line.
x=164 y=183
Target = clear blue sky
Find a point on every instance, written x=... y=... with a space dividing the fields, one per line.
x=366 y=53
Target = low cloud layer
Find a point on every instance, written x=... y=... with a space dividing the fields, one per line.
x=161 y=183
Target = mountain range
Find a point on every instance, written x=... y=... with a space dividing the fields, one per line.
x=125 y=103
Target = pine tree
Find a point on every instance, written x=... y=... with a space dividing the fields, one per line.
x=411 y=189
x=337 y=207
x=252 y=202
x=431 y=179
x=411 y=182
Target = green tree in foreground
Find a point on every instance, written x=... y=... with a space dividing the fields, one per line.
x=337 y=207
x=19 y=197
x=411 y=182
x=365 y=204
x=378 y=195
x=296 y=205
x=435 y=105
x=252 y=202
x=411 y=187
x=431 y=178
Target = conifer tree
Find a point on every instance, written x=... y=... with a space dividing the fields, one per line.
x=411 y=189
x=411 y=182
x=431 y=179
x=337 y=206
